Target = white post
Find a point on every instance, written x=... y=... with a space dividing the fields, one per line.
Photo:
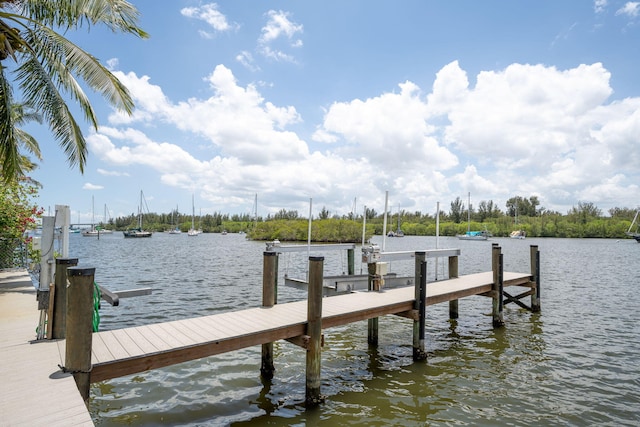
x=63 y=220
x=309 y=234
x=384 y=225
x=437 y=233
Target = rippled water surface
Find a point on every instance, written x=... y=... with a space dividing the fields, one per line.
x=575 y=363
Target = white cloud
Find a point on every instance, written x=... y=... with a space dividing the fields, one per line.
x=279 y=28
x=630 y=9
x=111 y=173
x=90 y=186
x=210 y=14
x=524 y=130
x=600 y=6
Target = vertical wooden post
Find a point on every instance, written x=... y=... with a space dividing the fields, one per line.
x=314 y=330
x=372 y=324
x=496 y=264
x=453 y=272
x=79 y=328
x=535 y=272
x=419 y=304
x=269 y=297
x=351 y=264
x=59 y=318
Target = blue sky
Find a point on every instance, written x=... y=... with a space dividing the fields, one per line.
x=343 y=100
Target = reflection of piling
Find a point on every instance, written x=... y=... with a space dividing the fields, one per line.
x=269 y=299
x=59 y=318
x=79 y=327
x=314 y=330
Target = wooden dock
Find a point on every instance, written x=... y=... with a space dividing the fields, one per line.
x=32 y=391
x=127 y=351
x=35 y=390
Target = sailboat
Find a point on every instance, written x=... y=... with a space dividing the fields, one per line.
x=176 y=228
x=398 y=232
x=635 y=234
x=93 y=232
x=520 y=233
x=192 y=231
x=138 y=232
x=473 y=235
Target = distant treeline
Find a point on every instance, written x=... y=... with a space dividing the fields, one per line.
x=582 y=221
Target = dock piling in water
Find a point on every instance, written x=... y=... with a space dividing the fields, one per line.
x=314 y=331
x=269 y=299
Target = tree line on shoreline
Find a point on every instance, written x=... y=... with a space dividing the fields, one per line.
x=585 y=220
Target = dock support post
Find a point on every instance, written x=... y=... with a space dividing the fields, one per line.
x=79 y=327
x=419 y=304
x=498 y=285
x=269 y=299
x=59 y=318
x=453 y=272
x=314 y=330
x=351 y=264
x=372 y=324
x=535 y=272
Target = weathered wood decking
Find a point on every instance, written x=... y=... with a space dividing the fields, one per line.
x=31 y=393
x=127 y=351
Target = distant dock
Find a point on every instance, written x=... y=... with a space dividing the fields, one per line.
x=30 y=368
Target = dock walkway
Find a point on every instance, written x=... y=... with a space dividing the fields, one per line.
x=32 y=390
x=127 y=351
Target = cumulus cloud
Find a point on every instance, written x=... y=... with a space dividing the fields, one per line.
x=522 y=130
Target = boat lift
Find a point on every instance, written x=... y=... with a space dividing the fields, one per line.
x=371 y=254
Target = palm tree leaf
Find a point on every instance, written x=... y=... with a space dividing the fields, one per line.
x=40 y=91
x=9 y=155
x=118 y=15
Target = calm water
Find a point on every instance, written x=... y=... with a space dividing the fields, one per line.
x=575 y=363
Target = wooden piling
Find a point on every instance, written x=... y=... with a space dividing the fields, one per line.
x=59 y=319
x=497 y=287
x=419 y=351
x=453 y=272
x=79 y=327
x=351 y=264
x=372 y=324
x=269 y=299
x=535 y=272
x=314 y=330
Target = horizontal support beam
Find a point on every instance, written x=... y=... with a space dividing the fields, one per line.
x=303 y=341
x=271 y=247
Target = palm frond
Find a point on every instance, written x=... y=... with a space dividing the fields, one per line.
x=40 y=91
x=118 y=15
x=9 y=155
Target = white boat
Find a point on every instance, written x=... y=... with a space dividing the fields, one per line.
x=175 y=229
x=473 y=235
x=138 y=232
x=635 y=234
x=518 y=234
x=192 y=231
